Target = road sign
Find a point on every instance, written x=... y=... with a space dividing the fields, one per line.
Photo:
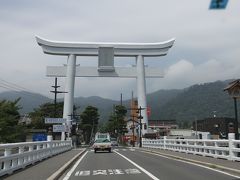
x=218 y=4
x=59 y=128
x=39 y=137
x=54 y=120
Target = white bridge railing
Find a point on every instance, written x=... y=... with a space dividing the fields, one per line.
x=226 y=149
x=15 y=156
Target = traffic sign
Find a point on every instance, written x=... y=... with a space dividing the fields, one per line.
x=55 y=120
x=218 y=4
x=59 y=128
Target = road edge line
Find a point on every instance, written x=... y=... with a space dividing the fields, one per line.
x=61 y=170
x=206 y=164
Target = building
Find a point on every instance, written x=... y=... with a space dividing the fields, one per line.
x=25 y=119
x=162 y=126
x=218 y=126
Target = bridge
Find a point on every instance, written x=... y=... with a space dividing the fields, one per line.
x=157 y=159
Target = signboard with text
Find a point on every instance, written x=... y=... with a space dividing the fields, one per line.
x=55 y=120
x=59 y=128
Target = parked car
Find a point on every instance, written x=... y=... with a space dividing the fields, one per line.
x=102 y=145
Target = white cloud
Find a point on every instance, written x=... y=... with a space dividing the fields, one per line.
x=206 y=47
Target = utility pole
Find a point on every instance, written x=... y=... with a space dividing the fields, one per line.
x=140 y=119
x=133 y=125
x=139 y=111
x=121 y=99
x=55 y=96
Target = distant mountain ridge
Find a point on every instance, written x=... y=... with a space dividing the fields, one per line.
x=196 y=102
x=28 y=100
x=199 y=101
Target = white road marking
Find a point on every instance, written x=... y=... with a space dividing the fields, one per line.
x=132 y=149
x=99 y=172
x=110 y=171
x=107 y=172
x=118 y=171
x=74 y=167
x=139 y=167
x=82 y=173
x=193 y=164
x=124 y=149
x=132 y=171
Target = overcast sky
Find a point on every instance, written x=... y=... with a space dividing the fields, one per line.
x=206 y=48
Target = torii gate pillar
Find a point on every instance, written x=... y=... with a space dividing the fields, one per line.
x=141 y=90
x=69 y=89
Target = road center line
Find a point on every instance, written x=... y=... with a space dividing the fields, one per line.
x=74 y=167
x=139 y=167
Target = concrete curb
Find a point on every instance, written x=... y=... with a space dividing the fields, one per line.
x=60 y=171
x=210 y=165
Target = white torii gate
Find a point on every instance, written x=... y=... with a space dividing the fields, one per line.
x=105 y=53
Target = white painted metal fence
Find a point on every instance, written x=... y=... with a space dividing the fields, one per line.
x=15 y=156
x=226 y=149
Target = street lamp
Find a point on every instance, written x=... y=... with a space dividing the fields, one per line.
x=234 y=91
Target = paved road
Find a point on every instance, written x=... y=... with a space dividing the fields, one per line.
x=126 y=163
x=44 y=169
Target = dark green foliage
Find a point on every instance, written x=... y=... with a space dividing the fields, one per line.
x=28 y=102
x=10 y=131
x=45 y=110
x=89 y=122
x=117 y=124
x=198 y=102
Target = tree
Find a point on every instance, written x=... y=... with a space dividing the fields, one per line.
x=117 y=124
x=89 y=122
x=10 y=130
x=45 y=110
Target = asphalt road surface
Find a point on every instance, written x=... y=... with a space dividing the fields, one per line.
x=127 y=163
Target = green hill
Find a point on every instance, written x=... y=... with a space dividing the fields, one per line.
x=199 y=101
x=196 y=102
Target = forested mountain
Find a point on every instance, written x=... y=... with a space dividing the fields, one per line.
x=196 y=102
x=28 y=100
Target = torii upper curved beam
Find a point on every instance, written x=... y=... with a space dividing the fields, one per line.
x=91 y=49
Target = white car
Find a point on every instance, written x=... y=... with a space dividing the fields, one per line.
x=102 y=145
x=114 y=141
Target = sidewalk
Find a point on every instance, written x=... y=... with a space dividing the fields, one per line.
x=220 y=164
x=43 y=170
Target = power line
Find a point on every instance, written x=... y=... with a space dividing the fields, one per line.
x=15 y=85
x=16 y=88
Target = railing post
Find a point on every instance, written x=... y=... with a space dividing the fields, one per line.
x=231 y=137
x=30 y=158
x=20 y=159
x=7 y=163
x=204 y=148
x=164 y=142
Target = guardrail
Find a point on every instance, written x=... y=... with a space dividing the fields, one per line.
x=16 y=156
x=226 y=149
